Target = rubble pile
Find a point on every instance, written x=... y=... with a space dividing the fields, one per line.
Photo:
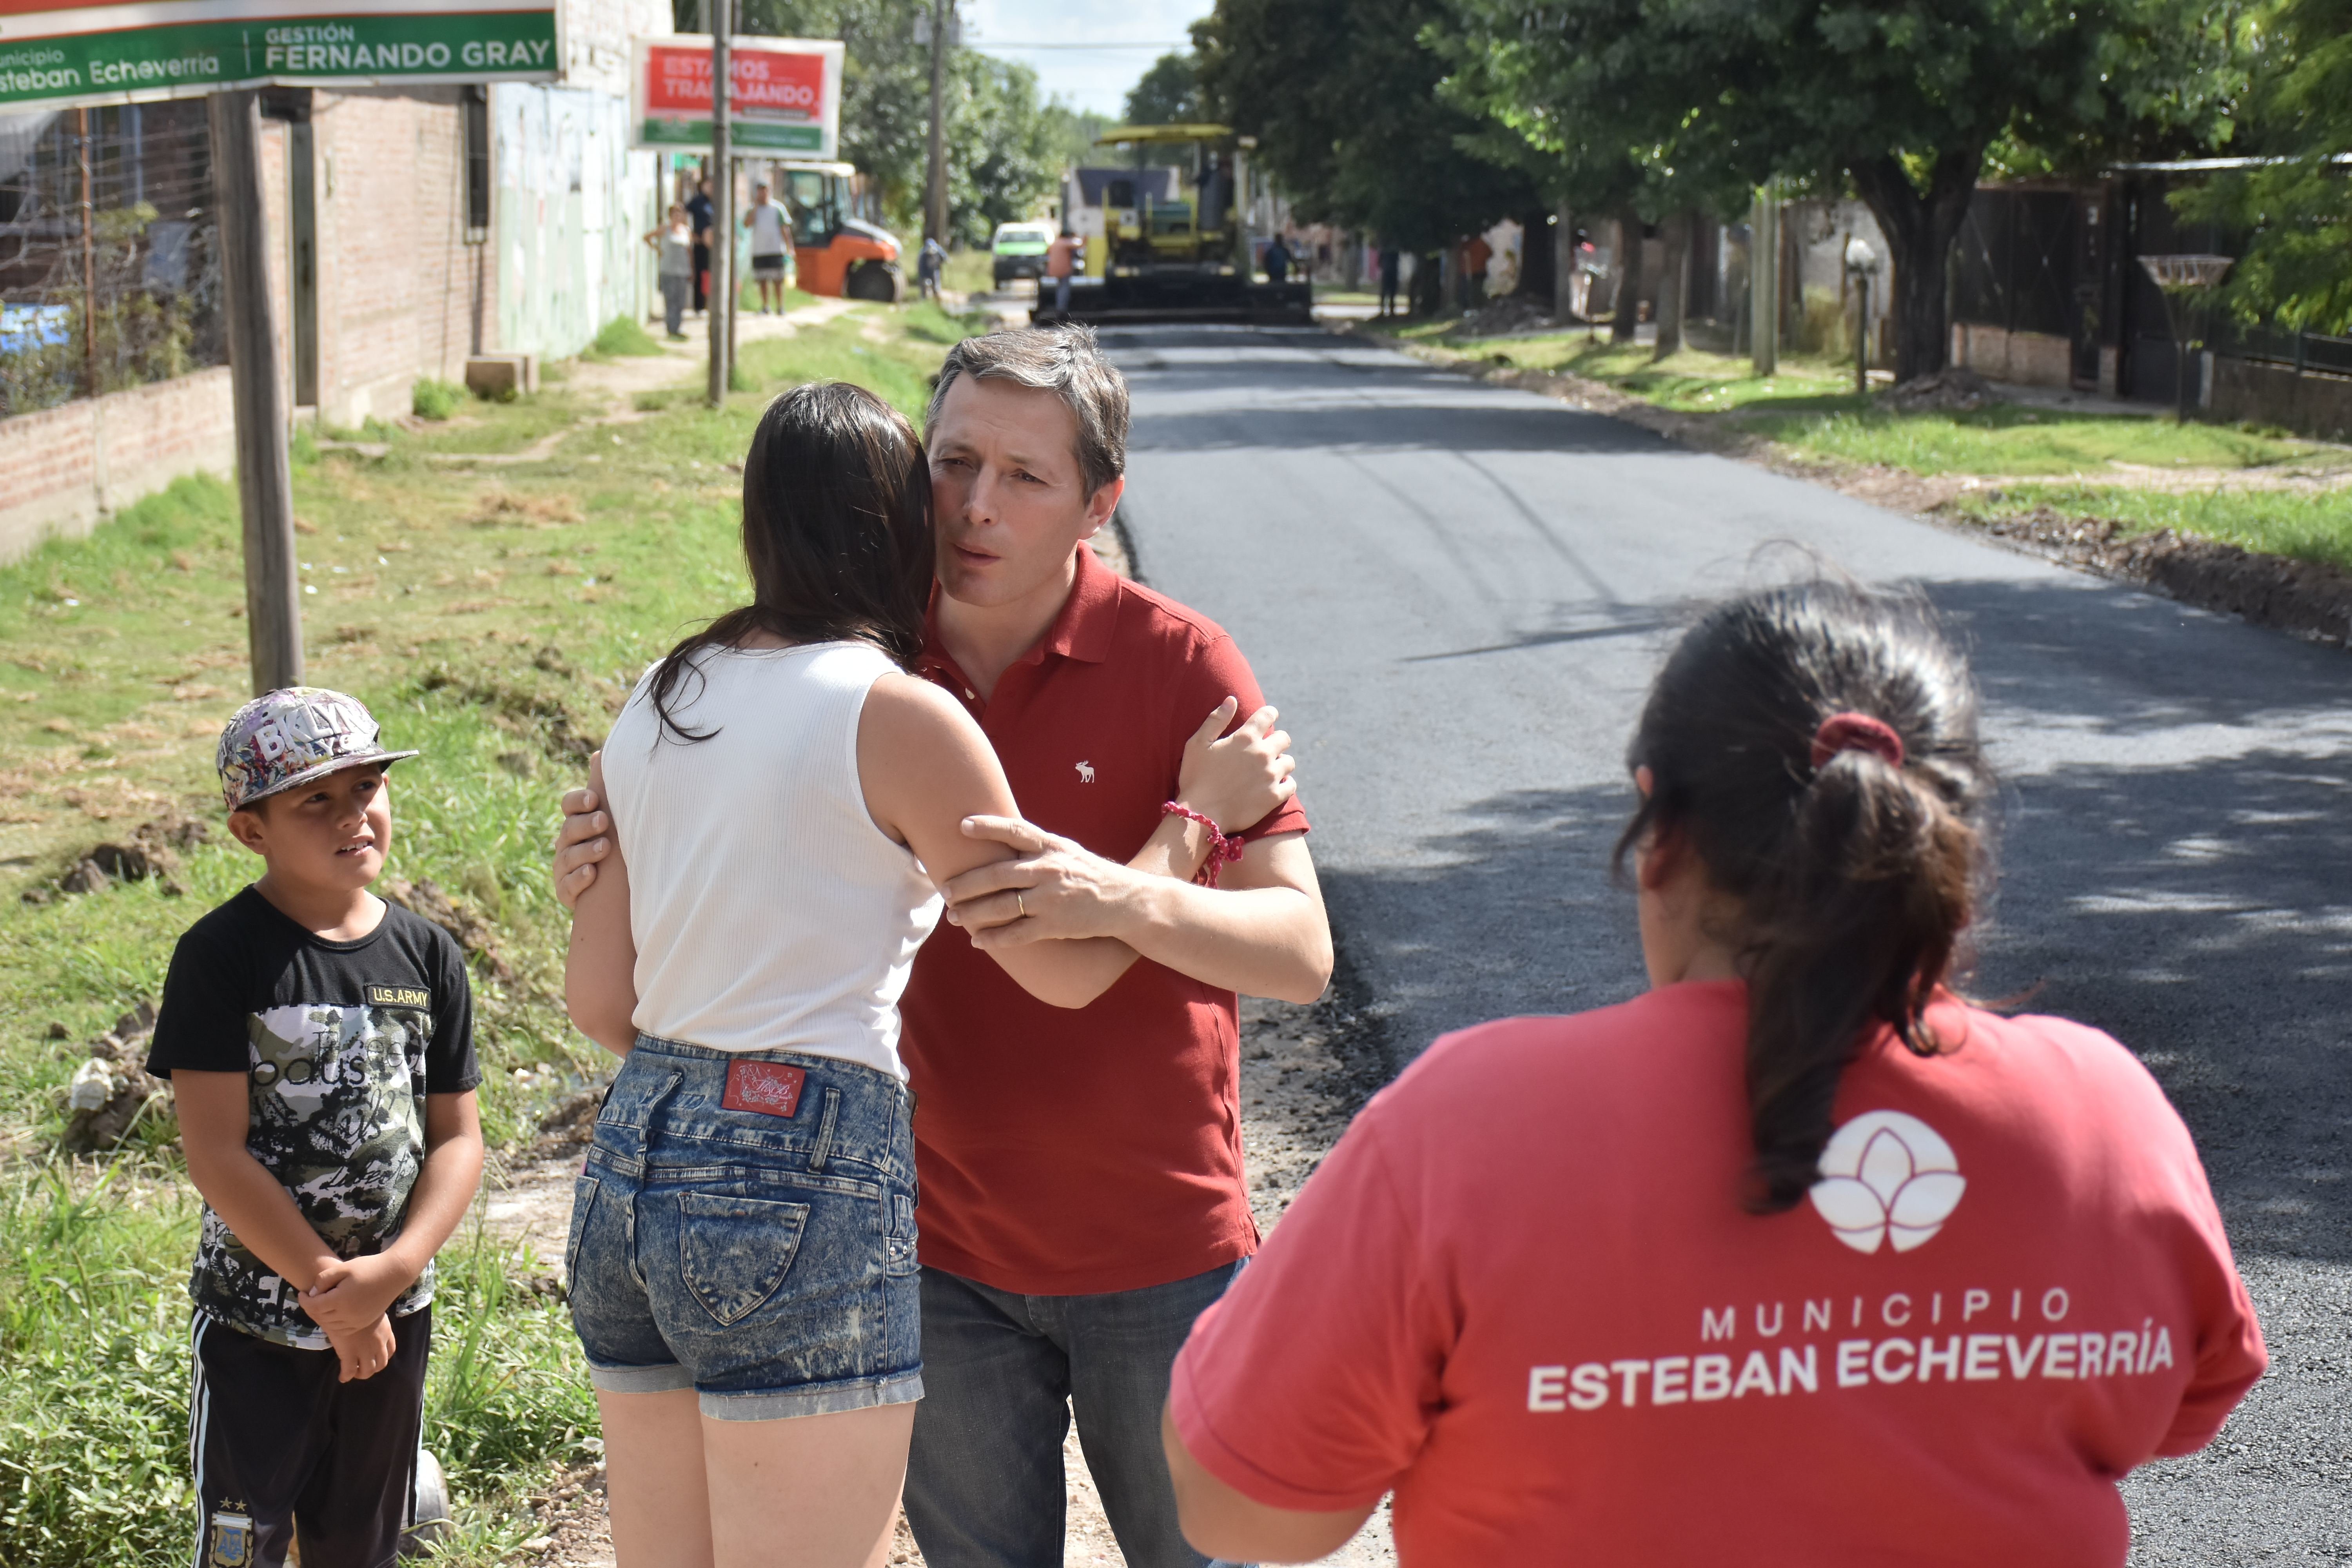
x=111 y=1090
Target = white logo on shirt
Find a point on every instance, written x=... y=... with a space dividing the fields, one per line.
x=1887 y=1175
x=1086 y=773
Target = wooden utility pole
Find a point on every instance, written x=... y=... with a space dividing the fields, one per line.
x=1764 y=280
x=935 y=180
x=722 y=318
x=265 y=481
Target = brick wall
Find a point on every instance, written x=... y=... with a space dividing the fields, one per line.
x=2026 y=359
x=397 y=282
x=2309 y=404
x=70 y=466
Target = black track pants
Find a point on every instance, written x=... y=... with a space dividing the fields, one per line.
x=279 y=1446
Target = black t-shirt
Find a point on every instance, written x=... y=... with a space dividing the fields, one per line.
x=699 y=212
x=341 y=1042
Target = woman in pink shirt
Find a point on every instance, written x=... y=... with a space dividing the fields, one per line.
x=1796 y=1258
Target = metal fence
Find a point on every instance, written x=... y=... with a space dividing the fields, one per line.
x=109 y=271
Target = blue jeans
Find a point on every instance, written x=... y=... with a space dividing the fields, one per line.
x=1061 y=296
x=745 y=1227
x=1000 y=1375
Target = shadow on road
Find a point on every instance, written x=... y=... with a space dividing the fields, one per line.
x=2203 y=914
x=2130 y=662
x=1319 y=420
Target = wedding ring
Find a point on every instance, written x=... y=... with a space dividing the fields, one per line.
x=1018 y=905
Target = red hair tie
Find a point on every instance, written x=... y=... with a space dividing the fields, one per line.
x=1856 y=733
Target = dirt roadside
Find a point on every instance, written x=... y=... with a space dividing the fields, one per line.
x=1304 y=1071
x=2302 y=598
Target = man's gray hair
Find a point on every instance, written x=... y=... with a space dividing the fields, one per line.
x=1062 y=360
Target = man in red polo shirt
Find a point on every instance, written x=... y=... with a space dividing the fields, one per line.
x=1084 y=1196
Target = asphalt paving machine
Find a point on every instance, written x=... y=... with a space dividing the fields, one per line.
x=1164 y=236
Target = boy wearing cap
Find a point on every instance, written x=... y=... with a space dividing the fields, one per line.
x=320 y=1044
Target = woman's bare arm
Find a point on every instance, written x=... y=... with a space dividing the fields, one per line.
x=600 y=967
x=1227 y=1524
x=925 y=767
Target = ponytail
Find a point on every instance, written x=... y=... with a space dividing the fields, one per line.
x=1816 y=746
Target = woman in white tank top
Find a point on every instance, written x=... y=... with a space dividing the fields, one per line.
x=742 y=1246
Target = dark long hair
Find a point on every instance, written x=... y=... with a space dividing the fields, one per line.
x=1854 y=878
x=836 y=532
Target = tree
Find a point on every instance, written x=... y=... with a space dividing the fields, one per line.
x=1002 y=154
x=1169 y=94
x=2296 y=210
x=1900 y=100
x=1343 y=101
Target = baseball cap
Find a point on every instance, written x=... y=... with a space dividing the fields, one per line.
x=293 y=735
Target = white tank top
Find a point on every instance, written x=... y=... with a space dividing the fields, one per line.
x=770 y=913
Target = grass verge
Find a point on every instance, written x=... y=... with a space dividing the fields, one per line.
x=493 y=617
x=2258 y=489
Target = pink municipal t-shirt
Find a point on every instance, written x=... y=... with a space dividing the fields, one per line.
x=1522 y=1293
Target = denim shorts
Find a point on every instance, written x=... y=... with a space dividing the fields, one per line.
x=764 y=1256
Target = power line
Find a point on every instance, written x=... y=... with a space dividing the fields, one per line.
x=995 y=44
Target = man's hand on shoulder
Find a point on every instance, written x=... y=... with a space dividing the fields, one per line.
x=1236 y=781
x=584 y=839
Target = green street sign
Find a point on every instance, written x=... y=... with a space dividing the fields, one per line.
x=747 y=136
x=177 y=49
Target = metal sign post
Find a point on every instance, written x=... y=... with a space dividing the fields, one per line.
x=720 y=320
x=2186 y=283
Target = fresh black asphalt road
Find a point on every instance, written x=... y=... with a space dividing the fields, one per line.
x=1457 y=594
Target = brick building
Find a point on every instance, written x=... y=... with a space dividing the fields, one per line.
x=411 y=230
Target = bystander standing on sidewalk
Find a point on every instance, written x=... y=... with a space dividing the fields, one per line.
x=1061 y=266
x=674 y=244
x=1392 y=266
x=770 y=229
x=700 y=212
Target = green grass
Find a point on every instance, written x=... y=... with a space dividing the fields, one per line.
x=1810 y=409
x=967 y=272
x=494 y=619
x=94 y=1335
x=622 y=335
x=2011 y=438
x=433 y=399
x=2305 y=525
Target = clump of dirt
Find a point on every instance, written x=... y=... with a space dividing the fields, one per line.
x=427 y=898
x=153 y=852
x=542 y=717
x=2304 y=598
x=1957 y=390
x=111 y=1091
x=504 y=508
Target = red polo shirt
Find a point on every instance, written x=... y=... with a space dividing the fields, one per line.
x=1071 y=1153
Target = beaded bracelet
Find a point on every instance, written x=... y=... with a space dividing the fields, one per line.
x=1222 y=851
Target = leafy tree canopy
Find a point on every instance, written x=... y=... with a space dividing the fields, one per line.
x=1169 y=94
x=2297 y=269
x=1343 y=99
x=1903 y=99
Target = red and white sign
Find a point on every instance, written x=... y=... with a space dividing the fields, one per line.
x=784 y=94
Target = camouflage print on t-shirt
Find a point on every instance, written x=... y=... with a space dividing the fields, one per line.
x=338 y=1098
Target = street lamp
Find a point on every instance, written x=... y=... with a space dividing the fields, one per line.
x=2186 y=282
x=1861 y=261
